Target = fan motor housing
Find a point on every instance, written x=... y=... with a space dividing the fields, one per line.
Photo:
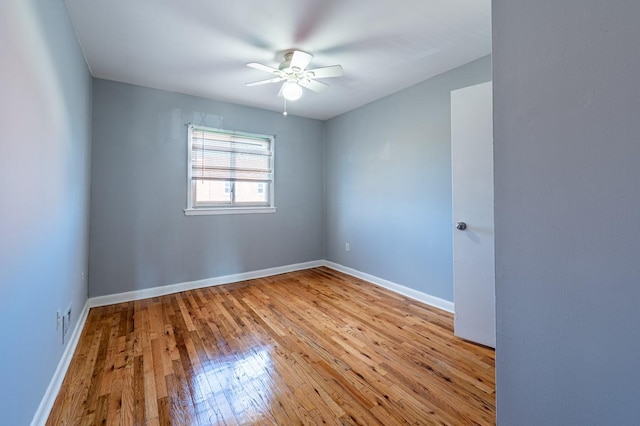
x=287 y=56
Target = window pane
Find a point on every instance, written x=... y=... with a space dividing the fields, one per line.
x=212 y=192
x=252 y=192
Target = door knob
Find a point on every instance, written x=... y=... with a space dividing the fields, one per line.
x=461 y=226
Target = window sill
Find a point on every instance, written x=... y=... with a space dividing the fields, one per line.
x=228 y=210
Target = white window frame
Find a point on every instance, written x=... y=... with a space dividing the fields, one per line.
x=238 y=208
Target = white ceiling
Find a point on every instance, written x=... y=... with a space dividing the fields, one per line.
x=201 y=47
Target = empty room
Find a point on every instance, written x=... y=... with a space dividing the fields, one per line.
x=319 y=212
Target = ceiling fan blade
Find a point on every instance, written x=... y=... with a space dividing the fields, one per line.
x=263 y=67
x=316 y=86
x=325 y=72
x=300 y=59
x=271 y=80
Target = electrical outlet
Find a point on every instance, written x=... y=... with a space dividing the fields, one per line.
x=346 y=247
x=58 y=320
x=66 y=324
x=68 y=318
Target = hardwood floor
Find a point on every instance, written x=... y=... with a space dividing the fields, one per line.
x=308 y=347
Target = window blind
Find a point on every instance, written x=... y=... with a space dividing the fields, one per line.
x=217 y=155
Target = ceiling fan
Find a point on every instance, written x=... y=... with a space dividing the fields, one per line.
x=292 y=71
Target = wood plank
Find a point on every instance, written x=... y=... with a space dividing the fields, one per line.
x=308 y=347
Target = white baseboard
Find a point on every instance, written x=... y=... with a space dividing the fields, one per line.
x=46 y=404
x=191 y=285
x=233 y=278
x=41 y=415
x=434 y=301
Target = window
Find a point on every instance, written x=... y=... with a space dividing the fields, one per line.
x=229 y=172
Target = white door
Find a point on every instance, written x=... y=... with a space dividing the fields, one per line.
x=473 y=246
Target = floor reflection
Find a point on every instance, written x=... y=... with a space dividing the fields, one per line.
x=239 y=385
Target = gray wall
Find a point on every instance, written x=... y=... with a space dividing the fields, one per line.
x=140 y=237
x=567 y=205
x=388 y=184
x=45 y=111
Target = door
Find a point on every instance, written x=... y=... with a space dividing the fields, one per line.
x=473 y=237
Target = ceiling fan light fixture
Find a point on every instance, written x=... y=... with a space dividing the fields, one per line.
x=294 y=75
x=291 y=91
